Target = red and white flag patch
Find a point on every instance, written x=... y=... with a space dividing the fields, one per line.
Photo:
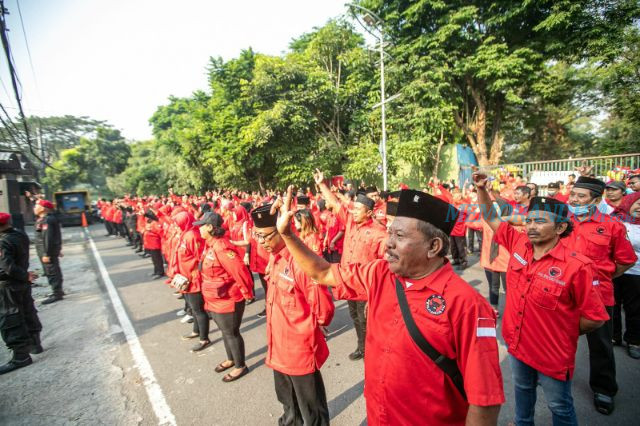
x=486 y=327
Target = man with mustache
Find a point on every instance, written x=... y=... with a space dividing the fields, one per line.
x=603 y=239
x=551 y=300
x=432 y=355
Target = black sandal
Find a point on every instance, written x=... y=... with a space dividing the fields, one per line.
x=220 y=368
x=230 y=378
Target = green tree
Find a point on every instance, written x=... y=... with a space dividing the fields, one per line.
x=482 y=56
x=90 y=162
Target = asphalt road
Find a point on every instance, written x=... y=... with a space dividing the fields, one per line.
x=195 y=393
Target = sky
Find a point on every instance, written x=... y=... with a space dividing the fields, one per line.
x=118 y=60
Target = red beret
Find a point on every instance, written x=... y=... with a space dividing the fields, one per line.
x=46 y=204
x=4 y=218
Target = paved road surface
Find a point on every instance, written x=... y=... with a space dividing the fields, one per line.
x=193 y=391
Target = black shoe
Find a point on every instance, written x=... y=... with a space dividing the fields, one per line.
x=633 y=351
x=262 y=314
x=617 y=341
x=139 y=251
x=14 y=365
x=356 y=355
x=250 y=301
x=157 y=276
x=456 y=262
x=462 y=266
x=201 y=346
x=51 y=299
x=603 y=403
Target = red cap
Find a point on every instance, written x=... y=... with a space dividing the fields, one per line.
x=46 y=204
x=4 y=218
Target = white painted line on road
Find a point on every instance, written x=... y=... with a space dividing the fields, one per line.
x=156 y=397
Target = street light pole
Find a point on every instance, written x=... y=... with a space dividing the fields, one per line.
x=375 y=21
x=383 y=111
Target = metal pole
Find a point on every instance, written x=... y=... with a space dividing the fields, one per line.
x=383 y=101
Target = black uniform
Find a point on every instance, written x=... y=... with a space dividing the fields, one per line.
x=19 y=323
x=48 y=243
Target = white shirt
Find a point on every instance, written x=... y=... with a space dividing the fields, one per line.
x=633 y=232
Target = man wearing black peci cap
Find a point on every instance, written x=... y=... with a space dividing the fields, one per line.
x=363 y=242
x=296 y=347
x=547 y=283
x=604 y=240
x=445 y=371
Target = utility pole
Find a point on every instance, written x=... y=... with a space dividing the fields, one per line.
x=383 y=101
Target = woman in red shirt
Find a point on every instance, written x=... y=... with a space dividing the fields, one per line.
x=185 y=262
x=226 y=284
x=309 y=234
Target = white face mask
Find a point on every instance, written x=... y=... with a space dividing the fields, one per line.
x=580 y=210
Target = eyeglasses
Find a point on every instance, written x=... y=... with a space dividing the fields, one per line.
x=264 y=237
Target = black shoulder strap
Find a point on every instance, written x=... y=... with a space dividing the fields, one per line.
x=447 y=365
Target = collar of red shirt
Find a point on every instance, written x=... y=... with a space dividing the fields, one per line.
x=435 y=280
x=284 y=253
x=365 y=223
x=556 y=252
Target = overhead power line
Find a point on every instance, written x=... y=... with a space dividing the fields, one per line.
x=15 y=82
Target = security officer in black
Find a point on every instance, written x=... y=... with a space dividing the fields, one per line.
x=19 y=324
x=48 y=242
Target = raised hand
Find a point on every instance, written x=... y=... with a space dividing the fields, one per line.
x=318 y=176
x=480 y=180
x=284 y=219
x=584 y=170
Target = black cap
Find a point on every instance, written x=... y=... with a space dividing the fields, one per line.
x=210 y=218
x=595 y=185
x=370 y=189
x=425 y=207
x=205 y=207
x=392 y=208
x=550 y=205
x=262 y=217
x=553 y=185
x=303 y=200
x=363 y=199
x=616 y=184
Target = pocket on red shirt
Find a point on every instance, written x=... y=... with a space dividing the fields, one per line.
x=598 y=246
x=546 y=295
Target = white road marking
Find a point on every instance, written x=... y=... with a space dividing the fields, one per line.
x=156 y=397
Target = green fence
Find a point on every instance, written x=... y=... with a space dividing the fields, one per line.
x=601 y=165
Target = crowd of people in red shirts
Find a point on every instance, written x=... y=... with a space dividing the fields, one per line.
x=208 y=247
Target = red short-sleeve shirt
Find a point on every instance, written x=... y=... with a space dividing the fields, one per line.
x=603 y=239
x=545 y=300
x=403 y=385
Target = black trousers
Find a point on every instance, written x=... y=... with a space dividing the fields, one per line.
x=458 y=249
x=229 y=325
x=109 y=226
x=602 y=363
x=627 y=293
x=263 y=282
x=494 y=278
x=122 y=229
x=303 y=398
x=474 y=234
x=356 y=311
x=200 y=317
x=19 y=320
x=54 y=275
x=158 y=264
